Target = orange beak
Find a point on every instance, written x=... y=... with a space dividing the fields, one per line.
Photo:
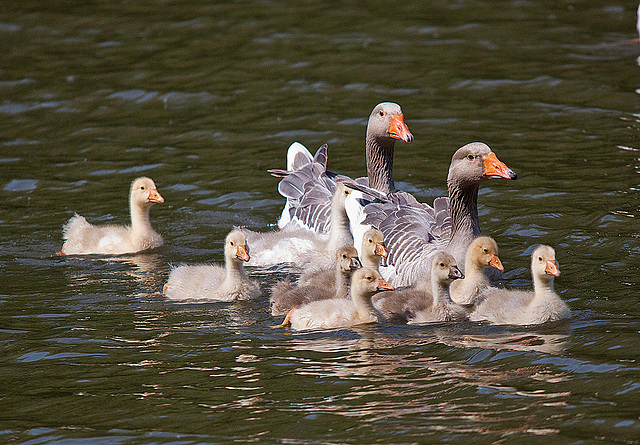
x=496 y=263
x=552 y=268
x=242 y=253
x=381 y=250
x=383 y=285
x=399 y=130
x=494 y=168
x=155 y=197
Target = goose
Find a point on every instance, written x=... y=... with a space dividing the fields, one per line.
x=304 y=172
x=444 y=271
x=302 y=247
x=336 y=313
x=414 y=231
x=430 y=301
x=481 y=253
x=214 y=282
x=519 y=307
x=83 y=238
x=285 y=295
x=373 y=250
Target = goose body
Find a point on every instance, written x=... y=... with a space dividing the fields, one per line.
x=336 y=313
x=83 y=238
x=214 y=282
x=286 y=296
x=519 y=307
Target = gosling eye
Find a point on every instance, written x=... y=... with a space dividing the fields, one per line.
x=370 y=241
x=470 y=157
x=231 y=242
x=142 y=187
x=540 y=258
x=485 y=250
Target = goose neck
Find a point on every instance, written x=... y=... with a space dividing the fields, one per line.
x=379 y=154
x=463 y=205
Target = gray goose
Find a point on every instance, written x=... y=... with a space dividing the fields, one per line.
x=414 y=231
x=306 y=176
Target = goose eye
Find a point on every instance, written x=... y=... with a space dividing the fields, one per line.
x=344 y=257
x=470 y=157
x=346 y=192
x=381 y=113
x=441 y=264
x=485 y=250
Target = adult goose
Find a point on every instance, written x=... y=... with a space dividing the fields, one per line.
x=518 y=307
x=214 y=282
x=306 y=176
x=414 y=231
x=285 y=295
x=84 y=238
x=337 y=313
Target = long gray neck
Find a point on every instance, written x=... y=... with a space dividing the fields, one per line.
x=463 y=205
x=379 y=154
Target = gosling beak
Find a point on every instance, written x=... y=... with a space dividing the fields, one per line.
x=455 y=273
x=496 y=263
x=383 y=285
x=381 y=251
x=355 y=263
x=155 y=197
x=399 y=130
x=242 y=253
x=496 y=169
x=552 y=268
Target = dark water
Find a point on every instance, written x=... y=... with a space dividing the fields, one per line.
x=204 y=98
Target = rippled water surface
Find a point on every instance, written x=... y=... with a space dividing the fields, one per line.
x=204 y=98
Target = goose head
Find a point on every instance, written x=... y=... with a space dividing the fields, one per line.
x=474 y=163
x=347 y=259
x=543 y=263
x=235 y=246
x=444 y=269
x=144 y=193
x=483 y=252
x=340 y=194
x=373 y=245
x=366 y=282
x=387 y=122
